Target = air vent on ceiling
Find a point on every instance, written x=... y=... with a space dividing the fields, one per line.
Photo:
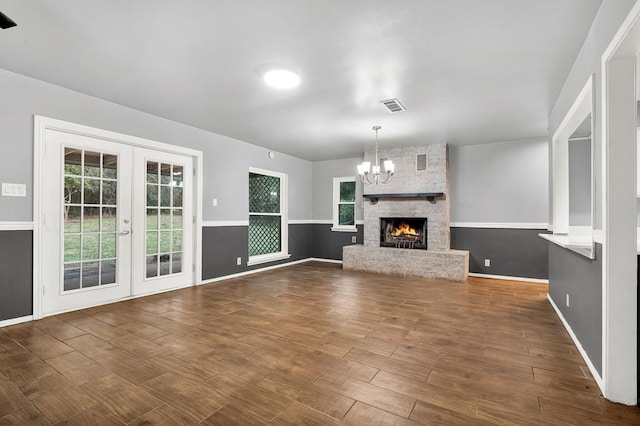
x=421 y=162
x=393 y=105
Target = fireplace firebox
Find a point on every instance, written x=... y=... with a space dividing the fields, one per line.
x=403 y=232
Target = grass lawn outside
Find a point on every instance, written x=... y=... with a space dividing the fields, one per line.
x=94 y=245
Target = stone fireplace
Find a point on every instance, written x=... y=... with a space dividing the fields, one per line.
x=419 y=191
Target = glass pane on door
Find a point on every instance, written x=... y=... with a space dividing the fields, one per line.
x=164 y=225
x=90 y=217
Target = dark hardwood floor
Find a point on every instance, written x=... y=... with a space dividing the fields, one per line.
x=306 y=344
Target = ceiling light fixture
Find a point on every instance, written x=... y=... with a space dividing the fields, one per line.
x=364 y=169
x=281 y=78
x=6 y=22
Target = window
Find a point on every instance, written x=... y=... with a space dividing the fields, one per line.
x=344 y=204
x=268 y=234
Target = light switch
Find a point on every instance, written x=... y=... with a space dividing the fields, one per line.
x=14 y=189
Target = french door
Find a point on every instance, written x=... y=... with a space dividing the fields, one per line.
x=117 y=221
x=163 y=213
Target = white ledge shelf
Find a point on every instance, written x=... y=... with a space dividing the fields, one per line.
x=578 y=243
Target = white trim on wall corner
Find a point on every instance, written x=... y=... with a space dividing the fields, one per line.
x=506 y=277
x=317 y=222
x=586 y=358
x=14 y=321
x=598 y=236
x=499 y=225
x=16 y=226
x=216 y=223
x=307 y=221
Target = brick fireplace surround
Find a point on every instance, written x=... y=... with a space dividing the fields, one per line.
x=439 y=261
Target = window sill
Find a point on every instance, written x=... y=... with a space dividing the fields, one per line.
x=344 y=228
x=265 y=258
x=578 y=243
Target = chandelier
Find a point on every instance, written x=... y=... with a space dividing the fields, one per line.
x=365 y=171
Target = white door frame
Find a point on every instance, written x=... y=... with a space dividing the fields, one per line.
x=619 y=272
x=41 y=125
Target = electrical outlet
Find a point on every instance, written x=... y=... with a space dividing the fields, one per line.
x=353 y=239
x=567 y=300
x=239 y=261
x=215 y=202
x=487 y=262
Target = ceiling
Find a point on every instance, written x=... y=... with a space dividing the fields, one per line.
x=468 y=71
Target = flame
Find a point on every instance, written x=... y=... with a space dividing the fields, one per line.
x=404 y=229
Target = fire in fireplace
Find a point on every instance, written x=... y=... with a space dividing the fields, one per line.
x=403 y=232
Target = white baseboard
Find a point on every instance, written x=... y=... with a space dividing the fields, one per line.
x=14 y=321
x=267 y=268
x=506 y=277
x=586 y=358
x=318 y=259
x=217 y=223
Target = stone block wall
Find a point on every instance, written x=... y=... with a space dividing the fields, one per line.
x=408 y=180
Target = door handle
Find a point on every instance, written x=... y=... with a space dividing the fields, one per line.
x=125 y=232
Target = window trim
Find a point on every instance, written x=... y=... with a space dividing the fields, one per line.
x=336 y=202
x=284 y=213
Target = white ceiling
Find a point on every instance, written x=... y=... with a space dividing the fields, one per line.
x=468 y=71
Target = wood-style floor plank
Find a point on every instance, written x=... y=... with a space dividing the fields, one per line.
x=126 y=400
x=363 y=414
x=370 y=394
x=309 y=344
x=310 y=395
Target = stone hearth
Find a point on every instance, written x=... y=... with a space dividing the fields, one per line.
x=438 y=261
x=446 y=265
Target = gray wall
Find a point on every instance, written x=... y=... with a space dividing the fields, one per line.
x=328 y=244
x=16 y=283
x=323 y=174
x=580 y=278
x=580 y=183
x=512 y=252
x=226 y=160
x=504 y=182
x=221 y=245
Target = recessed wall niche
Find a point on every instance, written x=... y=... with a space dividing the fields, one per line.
x=573 y=180
x=580 y=175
